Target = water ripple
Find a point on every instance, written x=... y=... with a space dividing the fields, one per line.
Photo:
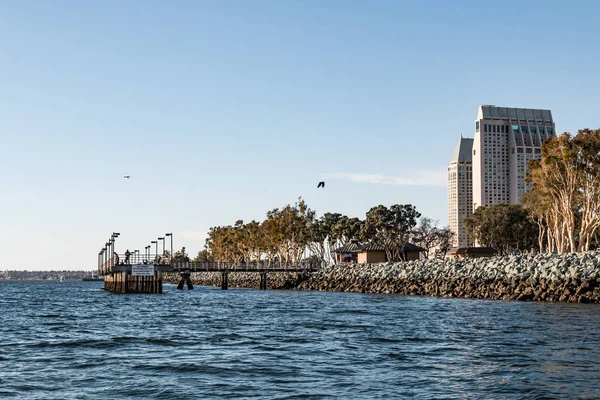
x=72 y=340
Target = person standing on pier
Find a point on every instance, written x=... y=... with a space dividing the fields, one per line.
x=127 y=254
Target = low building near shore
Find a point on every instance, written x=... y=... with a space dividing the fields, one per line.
x=370 y=253
x=472 y=252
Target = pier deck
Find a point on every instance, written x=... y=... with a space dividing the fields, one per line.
x=123 y=274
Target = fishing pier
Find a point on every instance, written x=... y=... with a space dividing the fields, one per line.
x=133 y=272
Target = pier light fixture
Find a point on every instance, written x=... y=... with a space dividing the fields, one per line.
x=156 y=243
x=171 y=236
x=163 y=248
x=113 y=237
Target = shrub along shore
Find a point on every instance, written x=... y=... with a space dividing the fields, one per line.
x=570 y=277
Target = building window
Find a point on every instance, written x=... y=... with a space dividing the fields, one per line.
x=476 y=126
x=485 y=127
x=474 y=152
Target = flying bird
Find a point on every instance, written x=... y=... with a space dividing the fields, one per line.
x=127 y=176
x=321 y=185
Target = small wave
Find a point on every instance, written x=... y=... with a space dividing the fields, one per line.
x=50 y=316
x=398 y=356
x=179 y=367
x=91 y=343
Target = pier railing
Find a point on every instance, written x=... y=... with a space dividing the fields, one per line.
x=123 y=259
x=253 y=266
x=120 y=260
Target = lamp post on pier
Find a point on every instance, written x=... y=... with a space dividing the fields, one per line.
x=108 y=244
x=171 y=255
x=163 y=242
x=147 y=253
x=156 y=243
x=114 y=236
x=112 y=251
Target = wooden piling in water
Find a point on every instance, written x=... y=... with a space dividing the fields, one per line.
x=122 y=280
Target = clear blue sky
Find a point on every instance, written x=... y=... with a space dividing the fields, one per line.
x=222 y=110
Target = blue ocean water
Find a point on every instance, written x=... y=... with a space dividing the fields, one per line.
x=72 y=340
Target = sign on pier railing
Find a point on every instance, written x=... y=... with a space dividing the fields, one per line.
x=142 y=270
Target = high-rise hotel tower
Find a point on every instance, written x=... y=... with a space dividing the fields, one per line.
x=460 y=190
x=506 y=139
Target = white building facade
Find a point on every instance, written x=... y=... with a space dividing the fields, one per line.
x=460 y=191
x=506 y=139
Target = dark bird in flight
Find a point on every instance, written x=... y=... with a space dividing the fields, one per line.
x=127 y=176
x=321 y=185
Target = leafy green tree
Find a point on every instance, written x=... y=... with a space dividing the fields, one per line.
x=390 y=228
x=505 y=227
x=347 y=229
x=203 y=256
x=181 y=255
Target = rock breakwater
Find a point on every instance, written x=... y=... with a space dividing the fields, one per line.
x=251 y=280
x=572 y=277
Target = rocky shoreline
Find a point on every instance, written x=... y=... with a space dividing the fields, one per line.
x=572 y=277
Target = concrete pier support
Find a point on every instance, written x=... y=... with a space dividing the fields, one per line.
x=124 y=282
x=185 y=280
x=224 y=280
x=263 y=280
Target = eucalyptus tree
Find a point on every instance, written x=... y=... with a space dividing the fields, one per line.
x=565 y=195
x=221 y=244
x=290 y=228
x=319 y=235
